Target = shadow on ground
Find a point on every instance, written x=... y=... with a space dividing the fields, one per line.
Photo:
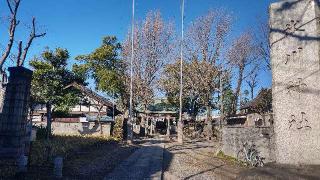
x=275 y=171
x=144 y=163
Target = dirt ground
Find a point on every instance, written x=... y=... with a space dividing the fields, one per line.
x=95 y=164
x=198 y=160
x=92 y=162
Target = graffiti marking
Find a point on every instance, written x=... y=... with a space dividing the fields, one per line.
x=296 y=86
x=303 y=123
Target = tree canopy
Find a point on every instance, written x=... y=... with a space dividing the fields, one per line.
x=104 y=66
x=51 y=76
x=153 y=45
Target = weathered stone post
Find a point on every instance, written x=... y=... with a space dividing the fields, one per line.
x=2 y=94
x=295 y=61
x=151 y=126
x=168 y=126
x=58 y=166
x=180 y=131
x=14 y=114
x=3 y=81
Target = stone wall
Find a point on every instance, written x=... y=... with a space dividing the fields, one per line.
x=255 y=119
x=234 y=137
x=295 y=61
x=85 y=128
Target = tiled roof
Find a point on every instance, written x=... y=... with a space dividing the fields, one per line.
x=91 y=94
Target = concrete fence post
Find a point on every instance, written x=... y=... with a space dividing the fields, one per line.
x=22 y=164
x=58 y=166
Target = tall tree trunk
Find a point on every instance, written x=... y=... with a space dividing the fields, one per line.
x=209 y=119
x=193 y=112
x=221 y=102
x=208 y=108
x=209 y=122
x=238 y=89
x=252 y=90
x=49 y=119
x=143 y=123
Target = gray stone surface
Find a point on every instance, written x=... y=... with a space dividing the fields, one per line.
x=2 y=94
x=233 y=137
x=145 y=163
x=295 y=48
x=13 y=117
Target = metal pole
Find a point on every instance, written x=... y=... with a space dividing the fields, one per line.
x=113 y=102
x=129 y=132
x=180 y=124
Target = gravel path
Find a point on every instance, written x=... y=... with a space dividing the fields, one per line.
x=145 y=163
x=196 y=160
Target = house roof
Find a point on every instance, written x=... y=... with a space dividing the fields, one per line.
x=158 y=112
x=91 y=94
x=255 y=101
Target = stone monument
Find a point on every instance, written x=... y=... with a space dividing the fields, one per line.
x=295 y=61
x=13 y=118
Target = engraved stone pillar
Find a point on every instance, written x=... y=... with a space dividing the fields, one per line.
x=168 y=126
x=2 y=94
x=295 y=61
x=14 y=115
x=3 y=82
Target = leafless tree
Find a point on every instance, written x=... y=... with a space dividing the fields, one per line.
x=13 y=6
x=13 y=9
x=33 y=34
x=205 y=36
x=205 y=41
x=252 y=83
x=261 y=39
x=153 y=43
x=242 y=56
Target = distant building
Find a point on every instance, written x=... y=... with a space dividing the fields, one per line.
x=257 y=112
x=85 y=111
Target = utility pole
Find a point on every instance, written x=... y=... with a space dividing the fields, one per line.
x=180 y=122
x=130 y=123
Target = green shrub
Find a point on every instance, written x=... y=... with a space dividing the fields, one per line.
x=229 y=159
x=58 y=145
x=41 y=132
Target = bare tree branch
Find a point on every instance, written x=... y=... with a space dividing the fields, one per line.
x=9 y=5
x=19 y=53
x=262 y=42
x=32 y=36
x=252 y=83
x=153 y=44
x=12 y=29
x=241 y=55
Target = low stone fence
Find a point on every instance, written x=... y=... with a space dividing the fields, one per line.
x=79 y=128
x=234 y=137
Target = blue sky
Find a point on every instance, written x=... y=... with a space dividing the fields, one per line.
x=79 y=25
